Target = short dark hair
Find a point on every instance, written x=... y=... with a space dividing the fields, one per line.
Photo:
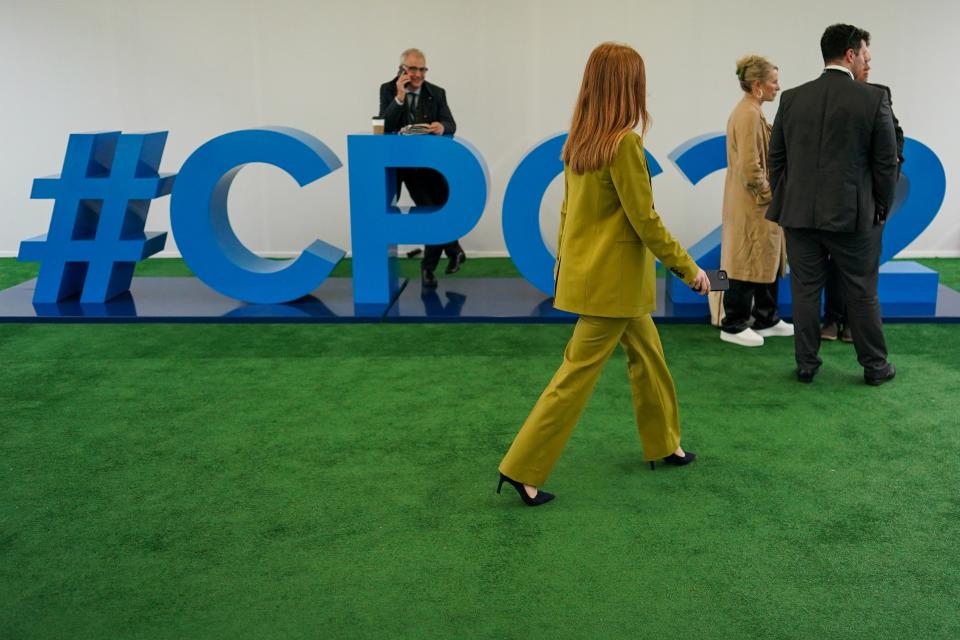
x=839 y=37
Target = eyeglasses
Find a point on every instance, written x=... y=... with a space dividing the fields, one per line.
x=415 y=69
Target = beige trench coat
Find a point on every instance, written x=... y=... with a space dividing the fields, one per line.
x=753 y=248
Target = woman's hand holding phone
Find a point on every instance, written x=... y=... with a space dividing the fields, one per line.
x=701 y=284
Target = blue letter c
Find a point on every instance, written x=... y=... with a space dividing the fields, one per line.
x=201 y=225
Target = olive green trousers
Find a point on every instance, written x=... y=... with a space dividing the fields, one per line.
x=543 y=436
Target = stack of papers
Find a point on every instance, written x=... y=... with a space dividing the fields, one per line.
x=415 y=130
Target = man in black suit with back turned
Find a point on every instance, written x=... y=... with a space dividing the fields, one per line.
x=833 y=170
x=409 y=99
x=835 y=323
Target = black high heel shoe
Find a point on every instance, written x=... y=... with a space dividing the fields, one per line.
x=542 y=497
x=675 y=460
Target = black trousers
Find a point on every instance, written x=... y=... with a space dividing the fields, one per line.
x=749 y=299
x=857 y=258
x=432 y=253
x=428 y=188
x=834 y=308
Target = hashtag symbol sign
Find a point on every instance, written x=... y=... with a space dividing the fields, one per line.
x=101 y=200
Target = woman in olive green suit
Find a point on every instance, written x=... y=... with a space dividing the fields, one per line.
x=609 y=235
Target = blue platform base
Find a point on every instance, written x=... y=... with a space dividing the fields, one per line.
x=455 y=300
x=189 y=300
x=906 y=290
x=476 y=300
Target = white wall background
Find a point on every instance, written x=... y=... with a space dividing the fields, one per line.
x=511 y=69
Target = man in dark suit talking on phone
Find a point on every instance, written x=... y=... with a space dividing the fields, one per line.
x=409 y=100
x=833 y=169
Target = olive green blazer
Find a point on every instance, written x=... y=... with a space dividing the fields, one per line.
x=609 y=235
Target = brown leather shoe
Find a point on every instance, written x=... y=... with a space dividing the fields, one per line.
x=829 y=331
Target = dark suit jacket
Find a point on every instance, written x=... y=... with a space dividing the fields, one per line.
x=426 y=186
x=833 y=156
x=431 y=107
x=898 y=130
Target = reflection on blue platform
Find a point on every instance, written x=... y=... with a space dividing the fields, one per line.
x=189 y=300
x=906 y=289
x=119 y=307
x=511 y=300
x=476 y=300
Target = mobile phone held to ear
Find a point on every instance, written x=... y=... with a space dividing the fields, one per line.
x=400 y=72
x=718 y=279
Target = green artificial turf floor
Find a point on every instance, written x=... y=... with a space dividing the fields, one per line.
x=337 y=481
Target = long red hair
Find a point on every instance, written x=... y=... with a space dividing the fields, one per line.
x=611 y=103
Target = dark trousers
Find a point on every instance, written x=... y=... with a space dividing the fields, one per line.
x=428 y=188
x=834 y=308
x=857 y=258
x=749 y=299
x=432 y=253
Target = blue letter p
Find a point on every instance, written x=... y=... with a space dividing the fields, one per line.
x=375 y=222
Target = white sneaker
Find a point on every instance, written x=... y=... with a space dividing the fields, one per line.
x=780 y=329
x=746 y=338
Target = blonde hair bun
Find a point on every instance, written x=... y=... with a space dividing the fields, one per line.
x=752 y=68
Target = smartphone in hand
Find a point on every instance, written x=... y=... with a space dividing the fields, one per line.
x=400 y=72
x=718 y=279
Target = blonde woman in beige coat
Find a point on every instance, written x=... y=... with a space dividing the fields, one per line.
x=752 y=252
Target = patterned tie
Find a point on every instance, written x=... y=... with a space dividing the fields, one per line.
x=412 y=108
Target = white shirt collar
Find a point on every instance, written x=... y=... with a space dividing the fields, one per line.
x=837 y=67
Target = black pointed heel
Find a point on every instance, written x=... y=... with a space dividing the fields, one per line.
x=542 y=497
x=675 y=460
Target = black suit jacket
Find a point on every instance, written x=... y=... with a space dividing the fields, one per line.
x=898 y=131
x=431 y=107
x=833 y=156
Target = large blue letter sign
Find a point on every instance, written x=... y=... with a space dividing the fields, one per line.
x=696 y=159
x=101 y=199
x=920 y=193
x=521 y=210
x=376 y=226
x=201 y=224
x=103 y=193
